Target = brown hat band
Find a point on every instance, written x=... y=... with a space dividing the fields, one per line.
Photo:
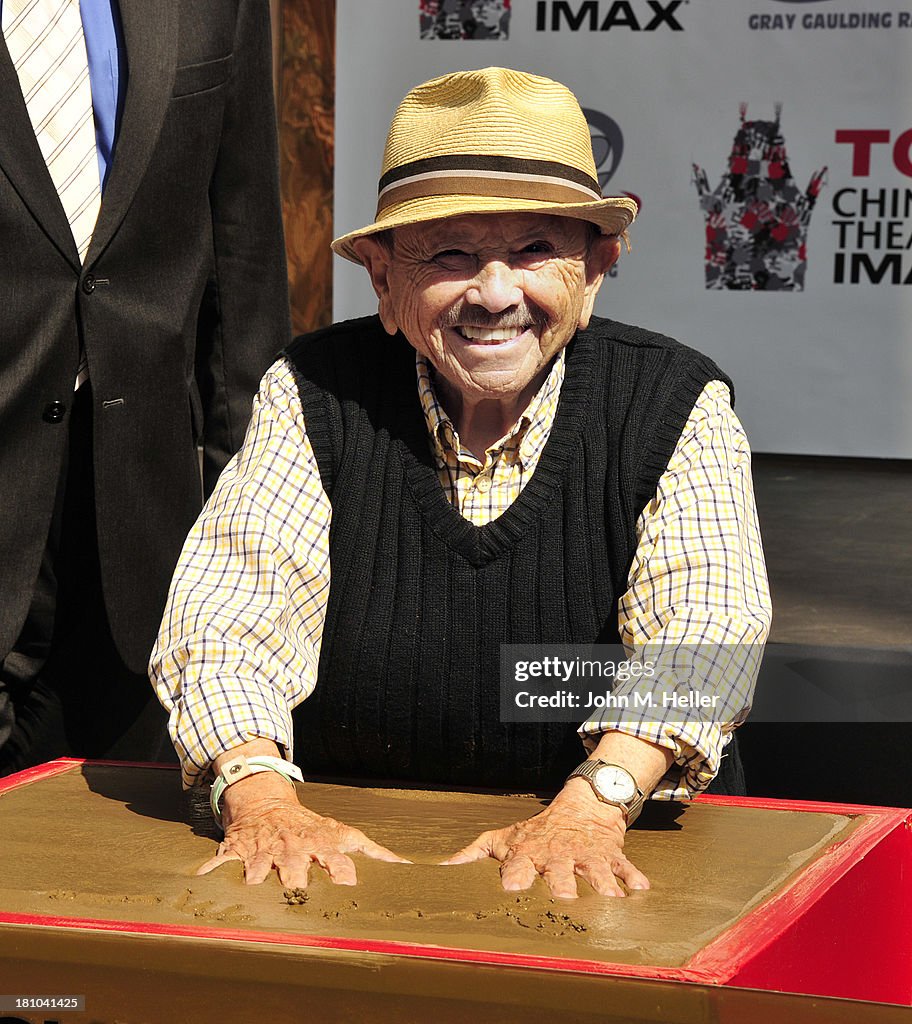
x=465 y=174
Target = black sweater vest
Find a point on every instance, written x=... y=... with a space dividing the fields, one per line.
x=421 y=600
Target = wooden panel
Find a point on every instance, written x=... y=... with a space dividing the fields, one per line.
x=306 y=101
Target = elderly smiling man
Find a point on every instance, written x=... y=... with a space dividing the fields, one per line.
x=484 y=463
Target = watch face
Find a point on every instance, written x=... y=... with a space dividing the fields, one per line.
x=615 y=784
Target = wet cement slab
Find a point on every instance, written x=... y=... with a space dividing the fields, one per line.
x=123 y=844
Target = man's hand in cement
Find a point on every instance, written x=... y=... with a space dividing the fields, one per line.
x=266 y=827
x=576 y=835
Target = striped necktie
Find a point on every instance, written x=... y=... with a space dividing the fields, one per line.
x=47 y=47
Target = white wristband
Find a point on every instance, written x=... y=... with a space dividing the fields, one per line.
x=241 y=767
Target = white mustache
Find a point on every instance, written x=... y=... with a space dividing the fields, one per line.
x=521 y=316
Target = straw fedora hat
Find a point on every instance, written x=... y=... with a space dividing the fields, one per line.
x=489 y=141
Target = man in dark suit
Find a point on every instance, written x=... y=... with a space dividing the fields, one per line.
x=177 y=306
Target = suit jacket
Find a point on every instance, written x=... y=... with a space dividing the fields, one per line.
x=181 y=303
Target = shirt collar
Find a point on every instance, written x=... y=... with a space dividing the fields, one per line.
x=530 y=433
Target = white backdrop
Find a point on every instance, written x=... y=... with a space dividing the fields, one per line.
x=824 y=370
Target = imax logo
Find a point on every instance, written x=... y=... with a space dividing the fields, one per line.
x=592 y=16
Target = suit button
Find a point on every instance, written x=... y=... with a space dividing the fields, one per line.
x=54 y=412
x=88 y=284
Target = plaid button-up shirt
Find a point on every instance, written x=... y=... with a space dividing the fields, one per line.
x=240 y=640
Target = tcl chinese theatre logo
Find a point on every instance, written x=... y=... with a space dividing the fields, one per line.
x=464 y=19
x=757 y=217
x=872 y=206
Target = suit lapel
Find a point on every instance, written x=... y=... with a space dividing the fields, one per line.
x=21 y=161
x=150 y=37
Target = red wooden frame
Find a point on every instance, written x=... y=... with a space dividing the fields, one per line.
x=791 y=942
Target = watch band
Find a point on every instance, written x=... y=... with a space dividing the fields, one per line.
x=241 y=767
x=629 y=808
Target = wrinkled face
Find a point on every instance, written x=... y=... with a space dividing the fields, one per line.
x=489 y=299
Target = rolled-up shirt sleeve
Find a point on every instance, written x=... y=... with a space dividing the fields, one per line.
x=240 y=638
x=697 y=603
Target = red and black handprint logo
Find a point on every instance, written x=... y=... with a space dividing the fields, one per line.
x=757 y=218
